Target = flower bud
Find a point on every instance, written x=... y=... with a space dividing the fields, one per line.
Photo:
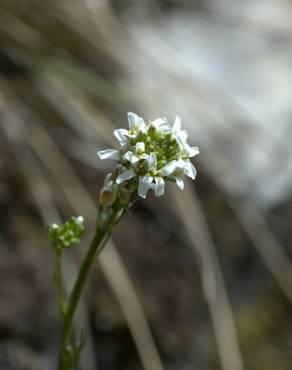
x=125 y=197
x=66 y=235
x=108 y=194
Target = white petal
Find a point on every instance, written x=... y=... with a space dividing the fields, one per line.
x=160 y=184
x=158 y=122
x=190 y=170
x=127 y=175
x=109 y=154
x=180 y=164
x=168 y=168
x=152 y=162
x=144 y=185
x=162 y=124
x=181 y=136
x=122 y=135
x=165 y=128
x=140 y=147
x=180 y=182
x=143 y=127
x=131 y=157
x=177 y=124
x=192 y=151
x=135 y=120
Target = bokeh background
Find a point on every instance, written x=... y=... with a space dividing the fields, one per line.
x=195 y=280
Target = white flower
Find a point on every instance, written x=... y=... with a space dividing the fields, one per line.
x=139 y=153
x=151 y=153
x=136 y=123
x=183 y=167
x=140 y=147
x=131 y=157
x=123 y=136
x=145 y=182
x=144 y=185
x=181 y=138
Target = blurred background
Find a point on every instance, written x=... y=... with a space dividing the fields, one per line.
x=200 y=279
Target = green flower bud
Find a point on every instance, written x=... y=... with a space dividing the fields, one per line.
x=152 y=132
x=125 y=197
x=161 y=163
x=108 y=194
x=106 y=197
x=66 y=235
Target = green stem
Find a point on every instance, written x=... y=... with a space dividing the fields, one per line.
x=59 y=282
x=94 y=249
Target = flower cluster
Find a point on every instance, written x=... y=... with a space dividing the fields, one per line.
x=68 y=234
x=150 y=154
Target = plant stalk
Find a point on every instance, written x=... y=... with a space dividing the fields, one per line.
x=95 y=248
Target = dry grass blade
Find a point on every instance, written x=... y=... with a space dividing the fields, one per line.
x=120 y=283
x=20 y=32
x=189 y=209
x=94 y=21
x=75 y=109
x=265 y=242
x=255 y=226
